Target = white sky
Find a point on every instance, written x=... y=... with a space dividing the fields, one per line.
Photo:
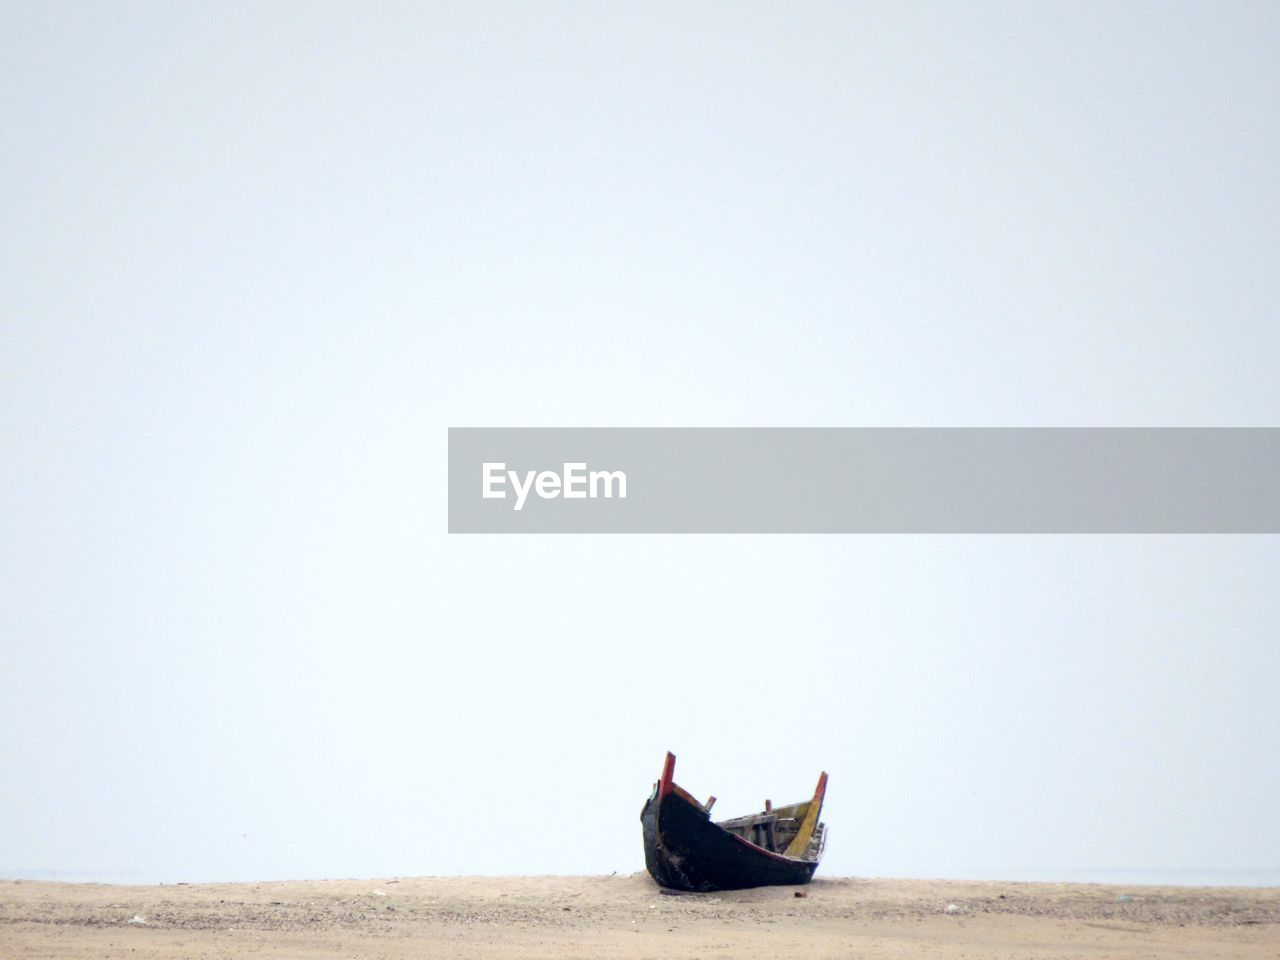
x=257 y=260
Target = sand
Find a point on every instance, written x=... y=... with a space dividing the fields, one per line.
x=629 y=917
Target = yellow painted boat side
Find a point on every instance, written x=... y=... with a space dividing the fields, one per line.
x=800 y=842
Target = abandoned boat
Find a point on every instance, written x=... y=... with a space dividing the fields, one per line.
x=685 y=850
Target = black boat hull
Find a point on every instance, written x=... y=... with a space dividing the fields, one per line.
x=684 y=850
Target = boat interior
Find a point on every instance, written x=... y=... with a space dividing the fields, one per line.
x=778 y=829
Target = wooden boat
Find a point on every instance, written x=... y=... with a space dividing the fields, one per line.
x=685 y=850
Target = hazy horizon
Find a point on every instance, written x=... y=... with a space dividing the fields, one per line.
x=1117 y=876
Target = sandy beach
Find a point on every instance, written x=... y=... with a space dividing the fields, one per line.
x=628 y=916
